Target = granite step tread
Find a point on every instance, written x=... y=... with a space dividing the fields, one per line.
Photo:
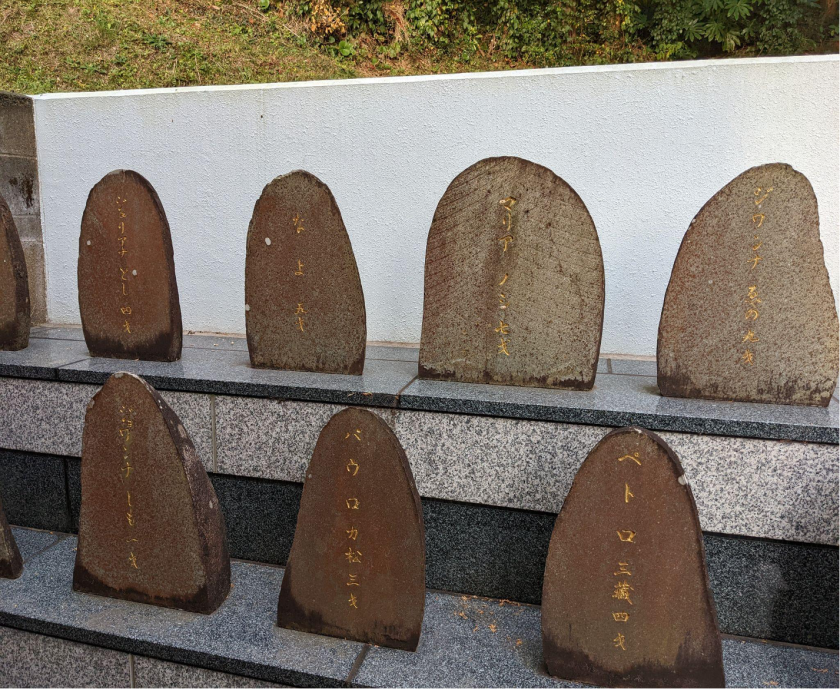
x=625 y=390
x=466 y=641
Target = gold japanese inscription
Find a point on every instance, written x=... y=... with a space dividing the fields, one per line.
x=752 y=300
x=125 y=431
x=122 y=251
x=633 y=458
x=626 y=536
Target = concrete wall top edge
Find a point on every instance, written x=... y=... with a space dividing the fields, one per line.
x=459 y=76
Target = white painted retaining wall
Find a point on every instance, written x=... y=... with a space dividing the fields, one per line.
x=645 y=146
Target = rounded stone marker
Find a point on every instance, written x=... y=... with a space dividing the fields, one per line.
x=14 y=285
x=514 y=281
x=358 y=561
x=307 y=309
x=128 y=296
x=749 y=314
x=150 y=527
x=626 y=599
x=11 y=564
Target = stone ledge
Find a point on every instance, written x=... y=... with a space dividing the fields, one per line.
x=466 y=641
x=628 y=396
x=502 y=462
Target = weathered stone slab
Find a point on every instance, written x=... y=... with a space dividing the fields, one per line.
x=128 y=297
x=357 y=565
x=749 y=314
x=150 y=528
x=11 y=564
x=14 y=285
x=626 y=599
x=514 y=290
x=304 y=306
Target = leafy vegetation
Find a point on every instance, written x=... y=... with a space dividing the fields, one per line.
x=70 y=45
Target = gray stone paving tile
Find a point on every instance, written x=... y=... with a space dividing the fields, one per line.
x=41 y=358
x=150 y=672
x=30 y=542
x=32 y=488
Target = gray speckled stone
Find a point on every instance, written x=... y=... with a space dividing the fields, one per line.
x=150 y=672
x=31 y=542
x=260 y=516
x=483 y=642
x=42 y=358
x=229 y=372
x=32 y=491
x=34 y=660
x=632 y=367
x=240 y=637
x=271 y=439
x=48 y=416
x=623 y=400
x=769 y=590
x=751 y=664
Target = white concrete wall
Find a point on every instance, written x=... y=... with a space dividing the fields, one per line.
x=645 y=146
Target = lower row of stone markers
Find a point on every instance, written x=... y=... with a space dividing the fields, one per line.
x=626 y=599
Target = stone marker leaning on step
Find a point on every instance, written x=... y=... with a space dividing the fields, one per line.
x=14 y=285
x=11 y=564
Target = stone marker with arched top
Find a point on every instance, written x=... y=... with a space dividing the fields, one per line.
x=357 y=564
x=626 y=599
x=304 y=306
x=11 y=564
x=128 y=296
x=514 y=281
x=14 y=285
x=749 y=314
x=150 y=528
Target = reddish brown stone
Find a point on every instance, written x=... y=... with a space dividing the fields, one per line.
x=11 y=564
x=150 y=528
x=14 y=285
x=626 y=599
x=749 y=314
x=357 y=566
x=514 y=290
x=305 y=310
x=128 y=297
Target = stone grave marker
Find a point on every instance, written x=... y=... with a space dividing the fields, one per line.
x=626 y=599
x=128 y=297
x=14 y=285
x=749 y=314
x=514 y=281
x=11 y=564
x=357 y=565
x=304 y=306
x=150 y=528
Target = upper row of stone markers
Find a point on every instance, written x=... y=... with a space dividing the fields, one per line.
x=514 y=285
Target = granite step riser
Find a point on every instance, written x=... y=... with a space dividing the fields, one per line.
x=763 y=588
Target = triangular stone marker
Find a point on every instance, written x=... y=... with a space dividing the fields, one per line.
x=514 y=282
x=357 y=565
x=150 y=528
x=14 y=285
x=304 y=306
x=11 y=564
x=749 y=314
x=128 y=297
x=626 y=599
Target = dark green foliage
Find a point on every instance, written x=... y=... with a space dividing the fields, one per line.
x=568 y=32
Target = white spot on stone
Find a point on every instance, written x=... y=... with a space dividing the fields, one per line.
x=710 y=281
x=88 y=242
x=681 y=480
x=268 y=241
x=211 y=504
x=118 y=374
x=247 y=308
x=90 y=405
x=134 y=272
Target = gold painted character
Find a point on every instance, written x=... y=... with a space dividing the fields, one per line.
x=619 y=642
x=622 y=592
x=626 y=536
x=750 y=337
x=503 y=329
x=353 y=581
x=751 y=313
x=353 y=600
x=503 y=346
x=133 y=560
x=357 y=434
x=622 y=569
x=759 y=201
x=127 y=327
x=633 y=458
x=125 y=310
x=507 y=239
x=352 y=503
x=299 y=271
x=747 y=357
x=353 y=556
x=504 y=280
x=353 y=467
x=627 y=493
x=352 y=533
x=621 y=616
x=754 y=260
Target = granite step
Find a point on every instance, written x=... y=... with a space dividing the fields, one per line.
x=466 y=641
